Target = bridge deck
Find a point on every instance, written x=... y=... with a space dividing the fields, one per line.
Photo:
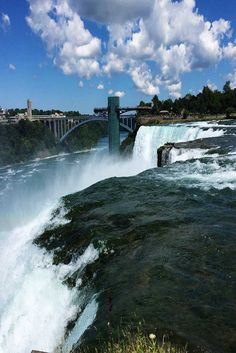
x=62 y=126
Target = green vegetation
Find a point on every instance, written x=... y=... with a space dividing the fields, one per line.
x=207 y=102
x=13 y=112
x=26 y=140
x=137 y=341
x=29 y=140
x=86 y=136
x=206 y=105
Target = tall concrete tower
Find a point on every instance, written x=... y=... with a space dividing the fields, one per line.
x=29 y=109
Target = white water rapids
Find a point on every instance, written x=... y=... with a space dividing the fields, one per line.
x=35 y=306
x=149 y=138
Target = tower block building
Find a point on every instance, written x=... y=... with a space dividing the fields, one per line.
x=29 y=109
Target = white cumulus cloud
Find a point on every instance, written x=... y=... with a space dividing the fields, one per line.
x=232 y=78
x=73 y=48
x=119 y=94
x=211 y=85
x=143 y=79
x=5 y=21
x=230 y=51
x=100 y=86
x=175 y=37
x=155 y=42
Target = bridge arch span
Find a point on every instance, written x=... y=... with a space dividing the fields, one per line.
x=79 y=125
x=63 y=138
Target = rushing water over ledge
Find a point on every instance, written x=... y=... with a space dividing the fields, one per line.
x=149 y=138
x=36 y=305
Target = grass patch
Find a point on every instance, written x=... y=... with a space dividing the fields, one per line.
x=137 y=342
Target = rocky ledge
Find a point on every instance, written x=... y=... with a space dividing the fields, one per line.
x=221 y=145
x=162 y=261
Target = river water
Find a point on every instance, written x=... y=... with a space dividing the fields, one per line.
x=35 y=303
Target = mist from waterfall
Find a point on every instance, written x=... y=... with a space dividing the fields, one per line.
x=35 y=306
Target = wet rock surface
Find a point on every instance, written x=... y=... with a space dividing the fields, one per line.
x=221 y=144
x=166 y=257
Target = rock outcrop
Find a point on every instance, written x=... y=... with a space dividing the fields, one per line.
x=157 y=261
x=220 y=145
x=163 y=154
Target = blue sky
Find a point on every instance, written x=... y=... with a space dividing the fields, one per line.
x=70 y=54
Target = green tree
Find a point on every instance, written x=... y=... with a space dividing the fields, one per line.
x=227 y=88
x=167 y=105
x=156 y=105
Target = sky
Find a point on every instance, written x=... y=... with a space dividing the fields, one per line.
x=72 y=54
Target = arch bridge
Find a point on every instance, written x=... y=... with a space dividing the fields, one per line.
x=116 y=117
x=63 y=126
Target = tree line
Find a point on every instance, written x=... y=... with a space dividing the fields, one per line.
x=206 y=102
x=26 y=140
x=13 y=112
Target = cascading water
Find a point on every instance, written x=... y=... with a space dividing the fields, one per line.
x=32 y=296
x=150 y=138
x=35 y=306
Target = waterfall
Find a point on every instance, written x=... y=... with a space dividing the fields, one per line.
x=150 y=138
x=35 y=306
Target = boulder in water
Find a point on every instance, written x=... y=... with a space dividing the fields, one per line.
x=163 y=154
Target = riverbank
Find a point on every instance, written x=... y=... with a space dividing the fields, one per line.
x=136 y=340
x=156 y=120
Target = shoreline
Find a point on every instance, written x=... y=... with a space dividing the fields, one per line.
x=156 y=120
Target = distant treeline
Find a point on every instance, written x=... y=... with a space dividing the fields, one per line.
x=86 y=137
x=24 y=141
x=29 y=140
x=13 y=112
x=204 y=103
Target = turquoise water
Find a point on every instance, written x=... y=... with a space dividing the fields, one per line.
x=159 y=244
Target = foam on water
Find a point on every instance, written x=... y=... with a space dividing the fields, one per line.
x=85 y=320
x=184 y=154
x=217 y=171
x=150 y=138
x=35 y=306
x=214 y=173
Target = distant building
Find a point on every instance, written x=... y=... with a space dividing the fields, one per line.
x=165 y=114
x=29 y=109
x=3 y=114
x=16 y=118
